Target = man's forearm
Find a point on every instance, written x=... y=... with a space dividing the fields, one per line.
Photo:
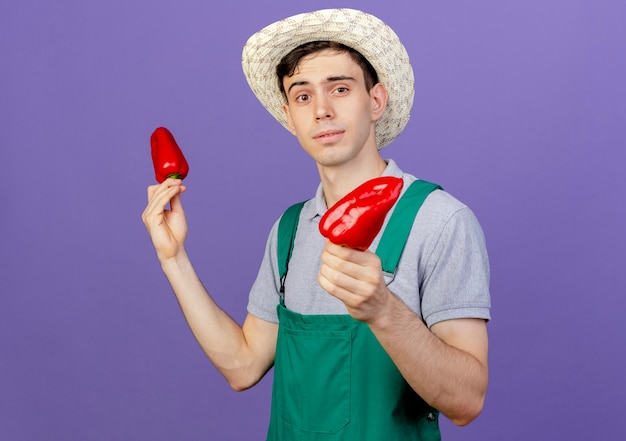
x=450 y=379
x=221 y=338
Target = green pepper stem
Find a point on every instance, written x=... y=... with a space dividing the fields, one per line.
x=174 y=176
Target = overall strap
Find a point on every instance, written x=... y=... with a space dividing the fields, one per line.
x=287 y=228
x=399 y=226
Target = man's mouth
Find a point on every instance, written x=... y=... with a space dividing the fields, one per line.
x=329 y=135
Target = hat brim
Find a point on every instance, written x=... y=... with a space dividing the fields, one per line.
x=367 y=34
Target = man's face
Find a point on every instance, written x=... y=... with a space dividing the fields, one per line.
x=329 y=109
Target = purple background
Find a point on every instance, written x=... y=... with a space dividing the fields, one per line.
x=520 y=112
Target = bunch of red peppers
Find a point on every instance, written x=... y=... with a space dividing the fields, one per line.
x=355 y=220
x=167 y=157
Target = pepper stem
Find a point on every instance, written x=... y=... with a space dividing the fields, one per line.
x=174 y=175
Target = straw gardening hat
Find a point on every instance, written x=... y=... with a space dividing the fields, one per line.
x=361 y=31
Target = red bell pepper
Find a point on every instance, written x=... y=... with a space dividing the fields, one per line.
x=355 y=220
x=167 y=157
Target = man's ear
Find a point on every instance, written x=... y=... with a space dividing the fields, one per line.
x=378 y=95
x=292 y=127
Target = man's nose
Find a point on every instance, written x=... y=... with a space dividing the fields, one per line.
x=323 y=108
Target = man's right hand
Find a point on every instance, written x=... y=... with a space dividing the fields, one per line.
x=167 y=227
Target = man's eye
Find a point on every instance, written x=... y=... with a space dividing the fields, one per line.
x=302 y=98
x=341 y=89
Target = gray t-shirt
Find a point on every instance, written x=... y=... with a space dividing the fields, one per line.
x=443 y=272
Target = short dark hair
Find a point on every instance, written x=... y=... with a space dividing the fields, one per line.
x=289 y=63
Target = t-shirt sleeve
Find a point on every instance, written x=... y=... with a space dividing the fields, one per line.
x=264 y=294
x=456 y=279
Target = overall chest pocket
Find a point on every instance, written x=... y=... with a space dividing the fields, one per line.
x=312 y=379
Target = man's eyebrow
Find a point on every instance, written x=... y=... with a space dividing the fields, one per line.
x=339 y=78
x=297 y=83
x=333 y=79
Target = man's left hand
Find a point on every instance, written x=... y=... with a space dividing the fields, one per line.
x=356 y=278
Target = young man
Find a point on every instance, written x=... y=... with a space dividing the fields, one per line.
x=359 y=354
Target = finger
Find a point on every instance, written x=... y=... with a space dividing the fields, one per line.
x=151 y=190
x=358 y=267
x=334 y=287
x=336 y=261
x=336 y=250
x=160 y=196
x=154 y=190
x=168 y=189
x=349 y=254
x=175 y=203
x=339 y=278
